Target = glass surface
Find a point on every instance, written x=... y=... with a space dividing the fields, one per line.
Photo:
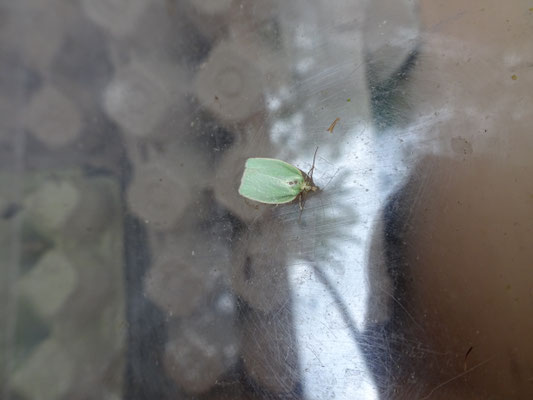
x=131 y=268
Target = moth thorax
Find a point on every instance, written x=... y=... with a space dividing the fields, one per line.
x=309 y=186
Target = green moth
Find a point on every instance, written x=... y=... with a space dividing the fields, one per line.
x=272 y=181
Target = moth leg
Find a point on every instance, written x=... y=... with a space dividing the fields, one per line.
x=301 y=204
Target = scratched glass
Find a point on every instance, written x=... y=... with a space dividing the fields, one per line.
x=132 y=268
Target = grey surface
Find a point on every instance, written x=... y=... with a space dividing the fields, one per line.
x=131 y=268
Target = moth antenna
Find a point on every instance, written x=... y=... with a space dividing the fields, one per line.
x=301 y=204
x=302 y=201
x=310 y=173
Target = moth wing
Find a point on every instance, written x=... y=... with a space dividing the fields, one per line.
x=270 y=181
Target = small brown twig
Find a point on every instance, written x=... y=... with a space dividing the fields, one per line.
x=332 y=126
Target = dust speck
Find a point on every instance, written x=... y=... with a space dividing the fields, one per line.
x=461 y=146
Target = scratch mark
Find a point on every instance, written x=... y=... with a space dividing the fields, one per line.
x=342 y=307
x=445 y=21
x=466 y=356
x=328 y=329
x=335 y=174
x=316 y=355
x=402 y=307
x=427 y=396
